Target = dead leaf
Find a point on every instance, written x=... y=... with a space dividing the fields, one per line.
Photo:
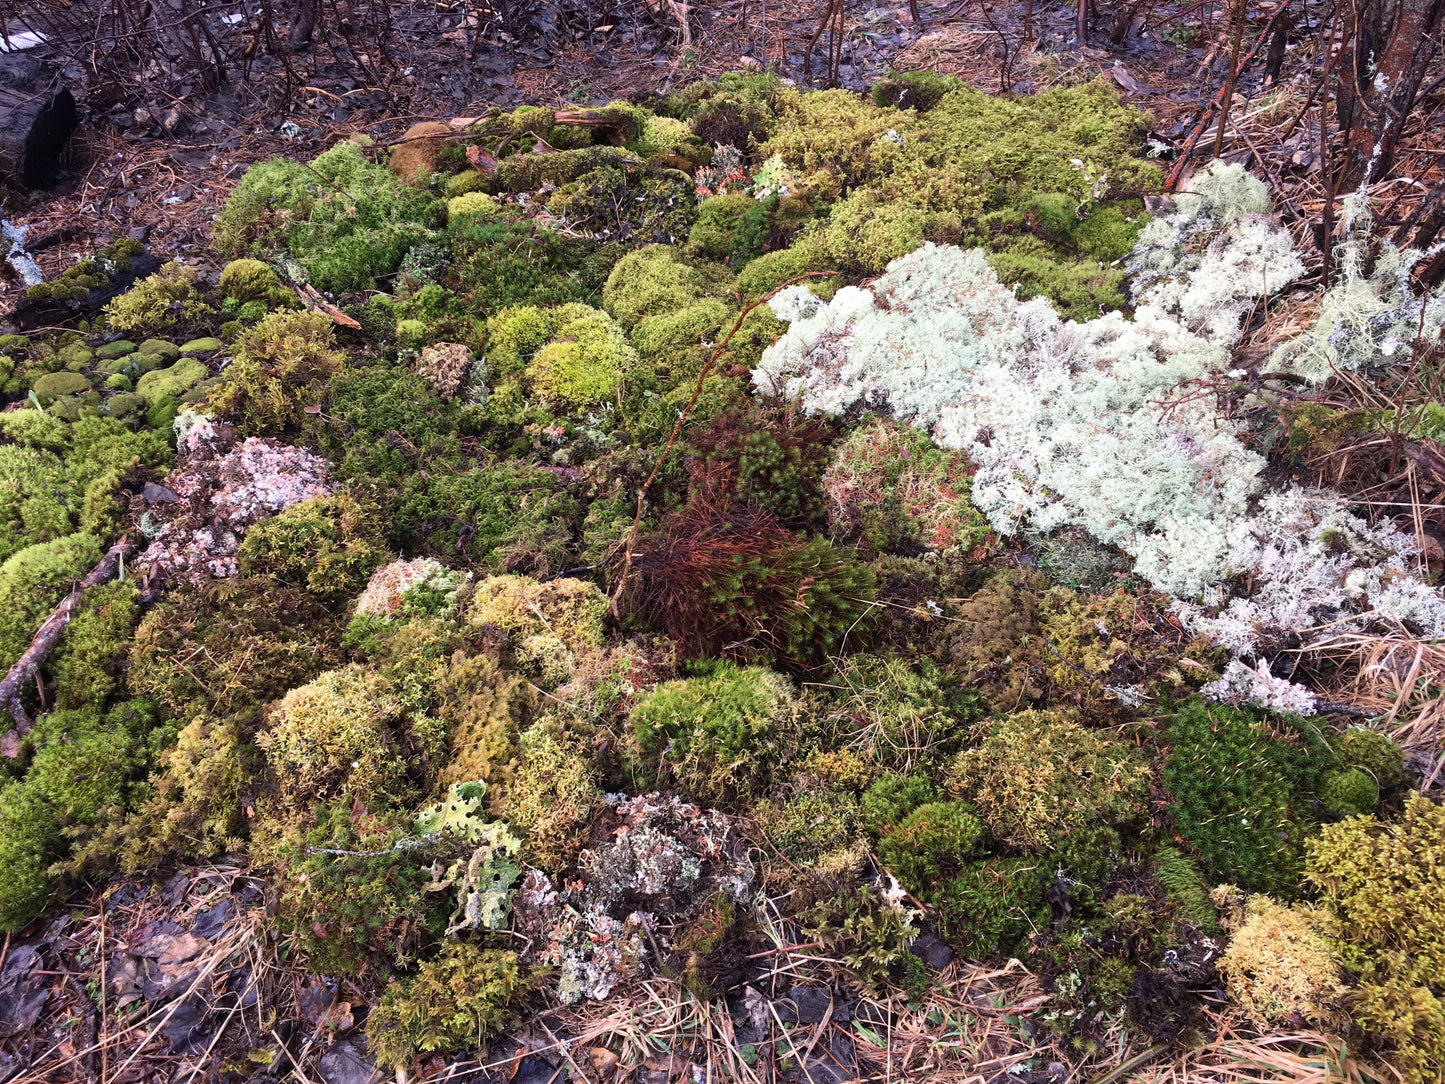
x=182 y=949
x=1125 y=80
x=480 y=159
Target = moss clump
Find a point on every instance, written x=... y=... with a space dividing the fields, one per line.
x=930 y=843
x=652 y=281
x=460 y=998
x=280 y=368
x=1038 y=776
x=992 y=904
x=772 y=269
x=891 y=490
x=53 y=386
x=328 y=546
x=1241 y=797
x=471 y=203
x=88 y=664
x=553 y=796
x=583 y=362
x=497 y=262
x=994 y=645
x=1179 y=877
x=246 y=641
x=890 y=799
x=483 y=709
x=872 y=937
x=718 y=221
x=1280 y=965
x=1384 y=884
x=547 y=624
x=172 y=382
x=343 y=219
x=347 y=732
x=1348 y=792
x=159 y=303
x=1375 y=754
x=33 y=581
x=719 y=736
x=514 y=336
x=246 y=280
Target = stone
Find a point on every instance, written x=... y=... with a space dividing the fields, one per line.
x=118 y=349
x=53 y=386
x=168 y=350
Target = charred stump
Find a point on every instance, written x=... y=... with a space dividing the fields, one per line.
x=37 y=117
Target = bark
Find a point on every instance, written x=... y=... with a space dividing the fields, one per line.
x=1395 y=42
x=37 y=117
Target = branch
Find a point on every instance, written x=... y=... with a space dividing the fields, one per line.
x=46 y=637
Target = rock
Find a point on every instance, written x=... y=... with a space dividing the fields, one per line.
x=159 y=494
x=118 y=349
x=205 y=345
x=175 y=381
x=931 y=951
x=168 y=350
x=415 y=157
x=125 y=405
x=53 y=386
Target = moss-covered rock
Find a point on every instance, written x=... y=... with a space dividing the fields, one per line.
x=53 y=386
x=174 y=381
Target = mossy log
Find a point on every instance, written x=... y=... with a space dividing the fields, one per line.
x=37 y=117
x=12 y=689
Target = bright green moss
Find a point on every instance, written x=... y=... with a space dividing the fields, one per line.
x=343 y=218
x=172 y=382
x=1348 y=792
x=866 y=231
x=673 y=341
x=584 y=361
x=552 y=797
x=248 y=280
x=327 y=545
x=811 y=825
x=87 y=664
x=458 y=999
x=717 y=224
x=1385 y=884
x=1038 y=776
x=471 y=203
x=718 y=736
x=1179 y=877
x=514 y=336
x=156 y=304
x=991 y=905
x=837 y=140
x=470 y=180
x=1080 y=290
x=652 y=281
x=1375 y=754
x=930 y=843
x=1240 y=797
x=32 y=583
x=500 y=262
x=279 y=370
x=892 y=798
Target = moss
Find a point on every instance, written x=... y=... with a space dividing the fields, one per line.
x=458 y=999
x=991 y=905
x=469 y=180
x=88 y=663
x=1038 y=776
x=342 y=218
x=930 y=843
x=811 y=825
x=514 y=335
x=1384 y=884
x=279 y=370
x=1280 y=966
x=718 y=220
x=1348 y=792
x=583 y=362
x=172 y=382
x=328 y=546
x=896 y=713
x=836 y=140
x=33 y=580
x=529 y=172
x=920 y=90
x=1179 y=877
x=1080 y=290
x=871 y=937
x=248 y=280
x=484 y=709
x=471 y=203
x=169 y=297
x=718 y=736
x=994 y=645
x=866 y=231
x=1375 y=754
x=891 y=490
x=663 y=135
x=553 y=796
x=53 y=386
x=346 y=732
x=244 y=641
x=891 y=798
x=1241 y=797
x=547 y=624
x=772 y=269
x=672 y=341
x=652 y=281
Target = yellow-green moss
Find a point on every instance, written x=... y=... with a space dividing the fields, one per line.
x=147 y=306
x=279 y=370
x=584 y=361
x=1280 y=965
x=458 y=999
x=547 y=624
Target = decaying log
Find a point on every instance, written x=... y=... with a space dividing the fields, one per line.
x=12 y=689
x=37 y=117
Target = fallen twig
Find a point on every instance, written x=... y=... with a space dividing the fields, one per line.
x=44 y=641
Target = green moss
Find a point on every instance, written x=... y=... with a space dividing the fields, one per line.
x=1080 y=290
x=991 y=905
x=930 y=843
x=1375 y=754
x=471 y=203
x=528 y=172
x=718 y=736
x=33 y=581
x=53 y=386
x=772 y=269
x=343 y=218
x=248 y=280
x=672 y=341
x=811 y=825
x=514 y=336
x=553 y=796
x=280 y=368
x=652 y=281
x=718 y=220
x=173 y=382
x=88 y=662
x=583 y=362
x=328 y=546
x=169 y=297
x=1385 y=885
x=1348 y=792
x=547 y=625
x=866 y=231
x=499 y=262
x=872 y=938
x=892 y=797
x=1179 y=877
x=245 y=641
x=1241 y=797
x=458 y=999
x=470 y=180
x=920 y=90
x=1038 y=776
